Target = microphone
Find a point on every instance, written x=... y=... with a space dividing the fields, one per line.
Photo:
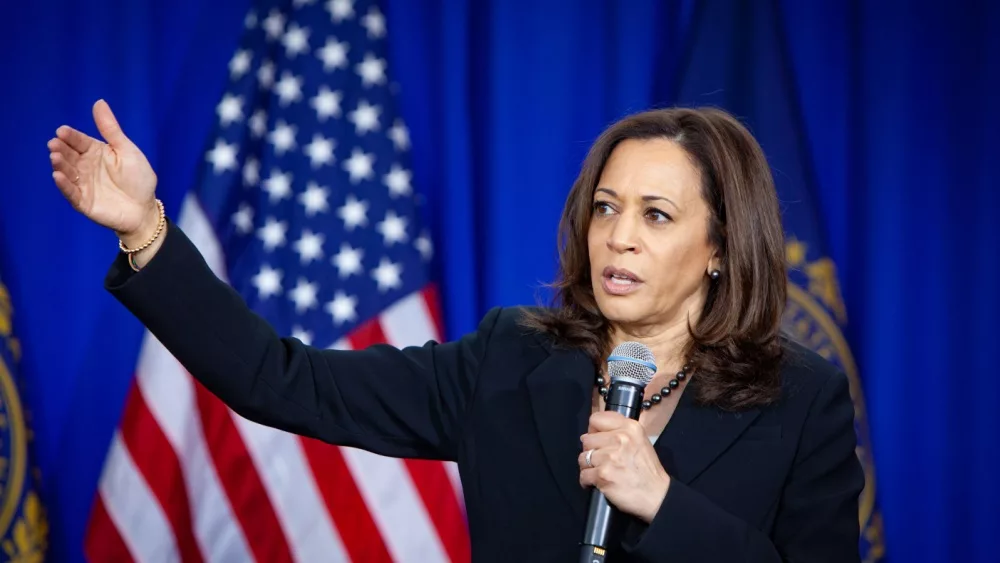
x=630 y=368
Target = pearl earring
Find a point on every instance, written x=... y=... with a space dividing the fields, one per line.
x=714 y=274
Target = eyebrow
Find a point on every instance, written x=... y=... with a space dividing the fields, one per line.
x=614 y=194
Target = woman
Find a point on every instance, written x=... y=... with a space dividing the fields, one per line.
x=671 y=237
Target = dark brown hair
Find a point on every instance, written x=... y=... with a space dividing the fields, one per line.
x=735 y=349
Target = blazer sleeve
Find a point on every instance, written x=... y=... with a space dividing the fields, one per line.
x=396 y=402
x=817 y=518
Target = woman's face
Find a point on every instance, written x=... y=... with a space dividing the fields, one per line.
x=648 y=237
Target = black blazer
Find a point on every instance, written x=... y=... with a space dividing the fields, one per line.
x=774 y=484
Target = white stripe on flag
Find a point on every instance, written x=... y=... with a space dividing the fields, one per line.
x=133 y=509
x=168 y=391
x=395 y=506
x=408 y=322
x=199 y=231
x=290 y=485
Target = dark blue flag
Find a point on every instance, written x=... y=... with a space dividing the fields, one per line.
x=737 y=59
x=24 y=526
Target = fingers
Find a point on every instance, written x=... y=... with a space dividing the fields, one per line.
x=70 y=190
x=61 y=164
x=592 y=441
x=595 y=458
x=591 y=478
x=590 y=472
x=608 y=421
x=108 y=125
x=75 y=140
x=58 y=146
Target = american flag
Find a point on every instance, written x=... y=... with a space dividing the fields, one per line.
x=305 y=205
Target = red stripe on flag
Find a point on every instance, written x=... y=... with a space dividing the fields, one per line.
x=347 y=508
x=433 y=302
x=103 y=543
x=239 y=477
x=439 y=497
x=158 y=464
x=367 y=334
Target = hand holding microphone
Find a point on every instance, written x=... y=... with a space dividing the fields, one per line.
x=623 y=465
x=618 y=459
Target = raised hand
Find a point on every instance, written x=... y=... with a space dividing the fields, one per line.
x=109 y=182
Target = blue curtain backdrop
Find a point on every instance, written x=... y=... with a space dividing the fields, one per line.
x=895 y=118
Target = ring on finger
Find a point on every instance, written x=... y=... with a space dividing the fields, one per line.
x=589 y=458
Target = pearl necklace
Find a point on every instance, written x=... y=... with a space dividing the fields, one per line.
x=657 y=397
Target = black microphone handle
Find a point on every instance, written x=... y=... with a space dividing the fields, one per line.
x=624 y=398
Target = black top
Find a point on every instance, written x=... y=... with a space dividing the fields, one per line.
x=772 y=484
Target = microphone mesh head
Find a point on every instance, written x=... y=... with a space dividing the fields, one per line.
x=633 y=362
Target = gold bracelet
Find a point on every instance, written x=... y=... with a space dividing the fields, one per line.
x=159 y=229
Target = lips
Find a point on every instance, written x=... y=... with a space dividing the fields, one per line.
x=619 y=281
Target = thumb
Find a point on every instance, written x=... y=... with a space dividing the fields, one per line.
x=108 y=125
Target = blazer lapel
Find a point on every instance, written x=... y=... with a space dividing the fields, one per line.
x=697 y=435
x=560 y=390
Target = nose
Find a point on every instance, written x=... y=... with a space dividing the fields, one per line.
x=623 y=235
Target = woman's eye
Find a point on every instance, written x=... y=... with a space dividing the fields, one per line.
x=602 y=208
x=657 y=216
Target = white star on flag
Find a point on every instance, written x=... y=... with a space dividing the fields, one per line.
x=348 y=260
x=387 y=275
x=340 y=10
x=314 y=199
x=274 y=24
x=282 y=137
x=222 y=157
x=393 y=228
x=239 y=64
x=374 y=23
x=309 y=246
x=342 y=308
x=251 y=172
x=359 y=165
x=273 y=233
x=424 y=246
x=320 y=150
x=265 y=75
x=289 y=88
x=303 y=295
x=243 y=219
x=258 y=123
x=371 y=70
x=326 y=103
x=278 y=186
x=296 y=41
x=400 y=136
x=354 y=213
x=398 y=181
x=267 y=282
x=365 y=117
x=333 y=54
x=303 y=335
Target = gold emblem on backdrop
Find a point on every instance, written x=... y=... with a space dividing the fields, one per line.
x=23 y=523
x=813 y=317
